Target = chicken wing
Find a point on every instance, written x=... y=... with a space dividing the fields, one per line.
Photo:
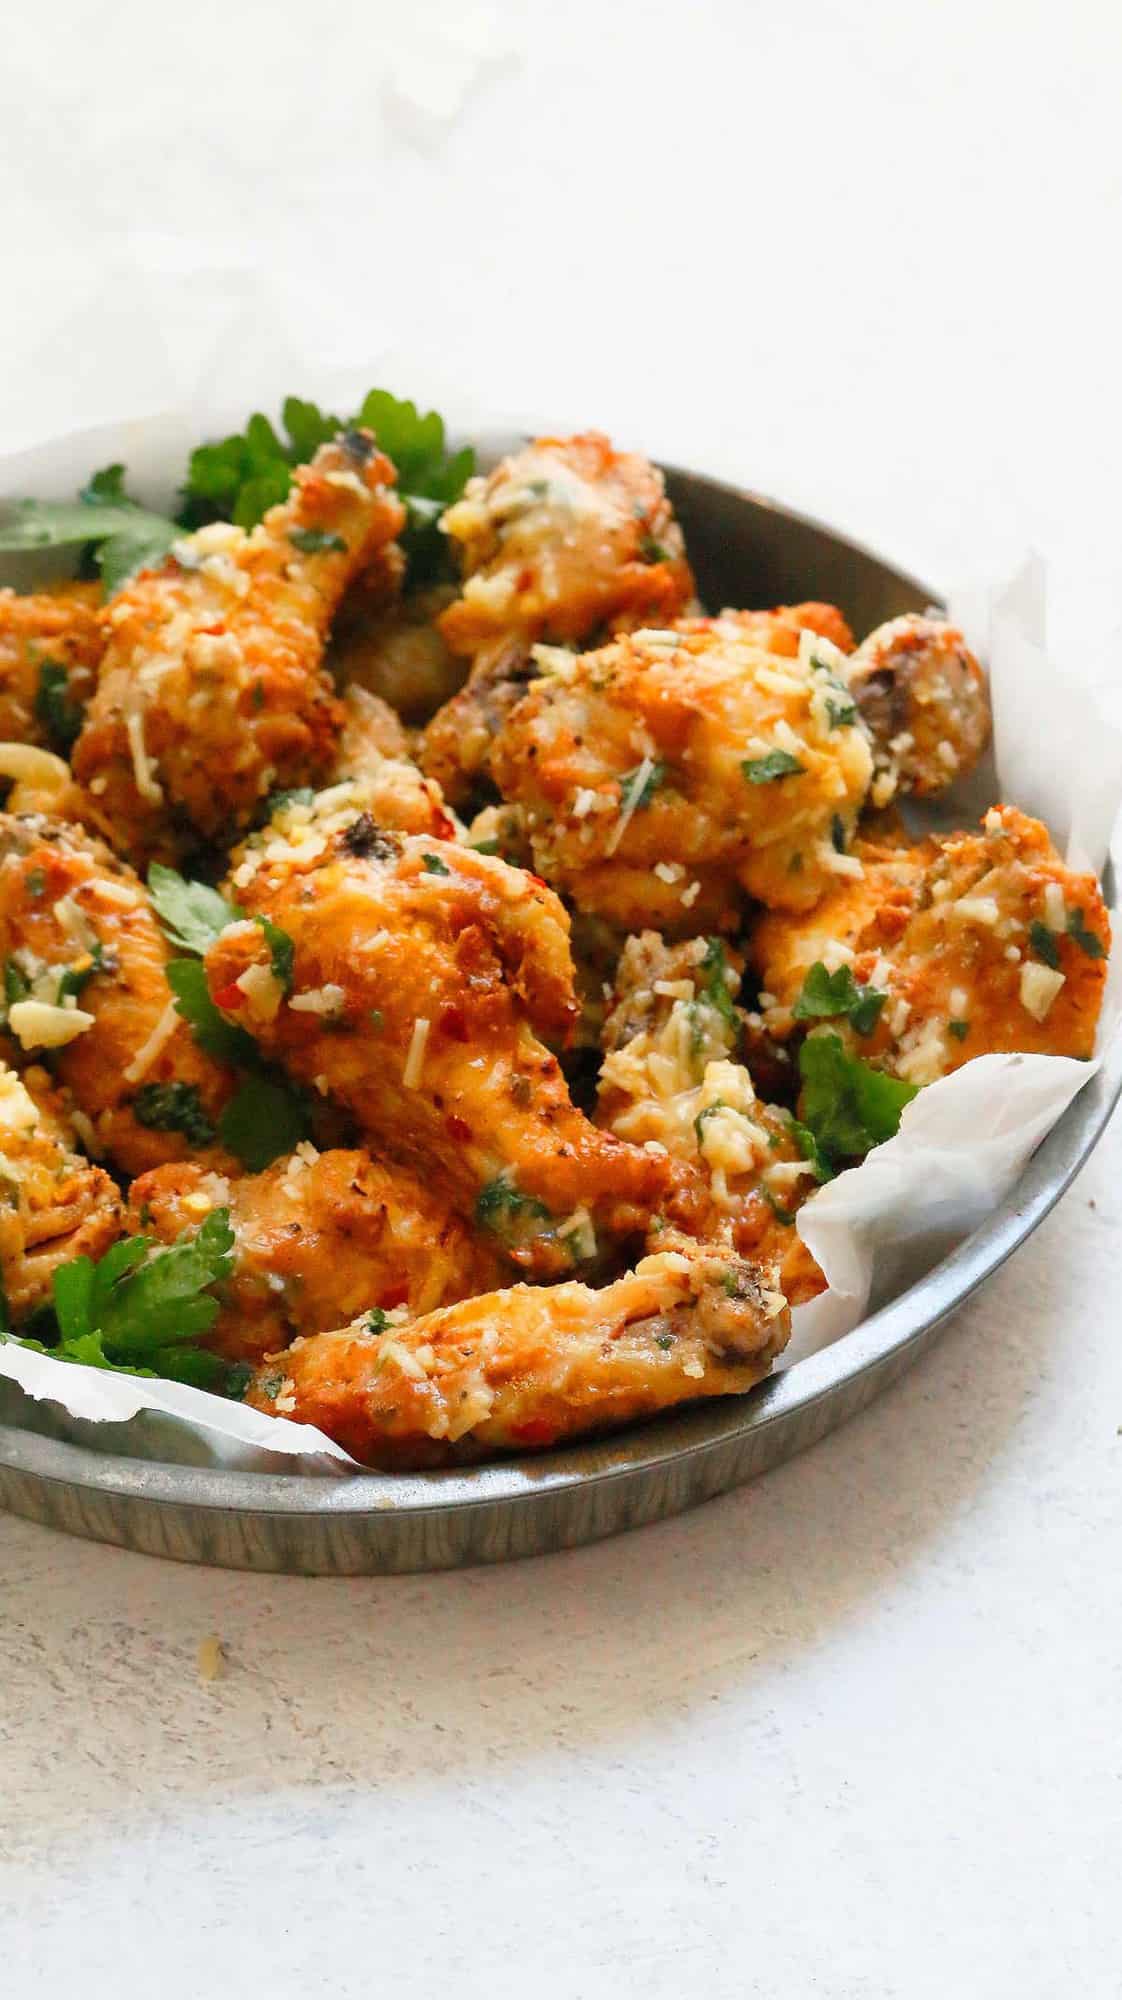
x=562 y=540
x=980 y=942
x=523 y=1369
x=670 y=770
x=213 y=690
x=50 y=646
x=397 y=650
x=85 y=977
x=422 y=975
x=671 y=1073
x=319 y=1239
x=55 y=1206
x=374 y=753
x=923 y=695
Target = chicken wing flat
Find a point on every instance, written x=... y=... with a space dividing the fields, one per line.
x=923 y=696
x=51 y=643
x=526 y=1368
x=564 y=540
x=55 y=1205
x=980 y=943
x=213 y=691
x=85 y=977
x=672 y=772
x=672 y=1074
x=421 y=977
x=319 y=1239
x=373 y=752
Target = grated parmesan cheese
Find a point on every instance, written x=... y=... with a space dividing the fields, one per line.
x=1039 y=987
x=415 y=1058
x=146 y=784
x=38 y=1024
x=630 y=804
x=157 y=1041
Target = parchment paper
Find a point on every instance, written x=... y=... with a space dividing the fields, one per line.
x=883 y=1224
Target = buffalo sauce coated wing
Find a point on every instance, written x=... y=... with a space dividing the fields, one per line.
x=669 y=771
x=421 y=976
x=50 y=645
x=318 y=1239
x=54 y=1205
x=530 y=1367
x=982 y=943
x=561 y=541
x=213 y=691
x=85 y=979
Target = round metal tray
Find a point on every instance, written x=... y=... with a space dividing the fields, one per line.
x=746 y=550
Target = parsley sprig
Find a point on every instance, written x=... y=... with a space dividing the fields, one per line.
x=846 y=1106
x=838 y=995
x=142 y=1310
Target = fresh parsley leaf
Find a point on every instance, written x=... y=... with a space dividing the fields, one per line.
x=777 y=764
x=433 y=865
x=61 y=718
x=192 y=914
x=174 y=1107
x=375 y=1321
x=647 y=786
x=841 y=711
x=715 y=988
x=830 y=995
x=316 y=541
x=784 y=1215
x=282 y=951
x=1085 y=939
x=140 y=1309
x=959 y=1029
x=126 y=536
x=846 y=1105
x=217 y=1036
x=268 y=1117
x=508 y=1213
x=1043 y=943
x=653 y=551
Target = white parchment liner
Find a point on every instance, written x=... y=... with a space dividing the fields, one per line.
x=962 y=1142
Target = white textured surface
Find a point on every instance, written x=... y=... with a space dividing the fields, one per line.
x=854 y=1731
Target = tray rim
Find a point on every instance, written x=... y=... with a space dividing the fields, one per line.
x=783 y=1400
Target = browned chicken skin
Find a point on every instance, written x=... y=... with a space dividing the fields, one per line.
x=54 y=1206
x=523 y=1369
x=423 y=976
x=319 y=1238
x=75 y=919
x=51 y=643
x=923 y=696
x=213 y=691
x=562 y=540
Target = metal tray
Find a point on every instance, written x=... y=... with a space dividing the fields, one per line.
x=746 y=549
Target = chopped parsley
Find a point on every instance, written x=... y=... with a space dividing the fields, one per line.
x=141 y=1309
x=784 y=1215
x=764 y=770
x=174 y=1107
x=316 y=541
x=35 y=882
x=639 y=785
x=433 y=865
x=277 y=802
x=715 y=989
x=841 y=711
x=846 y=1106
x=837 y=834
x=267 y=1118
x=652 y=550
x=959 y=1029
x=1085 y=939
x=833 y=995
x=282 y=951
x=1043 y=943
x=74 y=977
x=191 y=914
x=375 y=1321
x=507 y=1212
x=60 y=716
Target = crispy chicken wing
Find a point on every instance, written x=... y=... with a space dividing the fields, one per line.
x=213 y=690
x=374 y=752
x=50 y=646
x=54 y=1205
x=780 y=629
x=319 y=1239
x=85 y=973
x=397 y=650
x=671 y=1073
x=982 y=942
x=923 y=695
x=527 y=1368
x=422 y=977
x=562 y=540
x=667 y=771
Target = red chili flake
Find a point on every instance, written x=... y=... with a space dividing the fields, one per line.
x=453 y=1023
x=458 y=1128
x=230 y=998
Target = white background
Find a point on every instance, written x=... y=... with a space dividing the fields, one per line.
x=855 y=1731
